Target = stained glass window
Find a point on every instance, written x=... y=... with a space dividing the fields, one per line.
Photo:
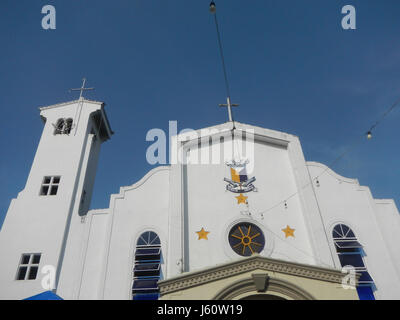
x=246 y=239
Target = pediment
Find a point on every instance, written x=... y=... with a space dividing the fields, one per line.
x=254 y=263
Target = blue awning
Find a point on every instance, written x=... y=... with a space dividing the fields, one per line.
x=47 y=295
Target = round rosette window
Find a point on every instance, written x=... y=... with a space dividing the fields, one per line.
x=246 y=239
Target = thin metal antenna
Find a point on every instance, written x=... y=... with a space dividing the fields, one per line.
x=229 y=105
x=81 y=89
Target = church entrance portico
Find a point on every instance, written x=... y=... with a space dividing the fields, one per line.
x=258 y=278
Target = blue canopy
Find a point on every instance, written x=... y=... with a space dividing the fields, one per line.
x=47 y=295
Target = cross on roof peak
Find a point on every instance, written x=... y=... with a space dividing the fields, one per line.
x=81 y=89
x=229 y=105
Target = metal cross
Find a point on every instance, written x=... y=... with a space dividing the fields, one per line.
x=229 y=105
x=82 y=88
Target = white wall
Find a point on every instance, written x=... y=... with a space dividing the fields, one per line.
x=343 y=200
x=388 y=219
x=94 y=255
x=138 y=208
x=212 y=207
x=39 y=224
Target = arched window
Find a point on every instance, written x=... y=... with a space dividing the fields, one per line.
x=63 y=126
x=59 y=126
x=68 y=126
x=350 y=253
x=147 y=269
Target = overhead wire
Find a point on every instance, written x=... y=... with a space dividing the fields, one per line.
x=353 y=146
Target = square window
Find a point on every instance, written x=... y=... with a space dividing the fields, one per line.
x=36 y=259
x=46 y=180
x=32 y=273
x=50 y=185
x=44 y=191
x=25 y=259
x=22 y=273
x=54 y=190
x=29 y=266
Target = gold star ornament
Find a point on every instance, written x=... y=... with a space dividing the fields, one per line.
x=288 y=232
x=241 y=199
x=203 y=234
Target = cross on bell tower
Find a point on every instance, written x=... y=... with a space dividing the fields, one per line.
x=81 y=89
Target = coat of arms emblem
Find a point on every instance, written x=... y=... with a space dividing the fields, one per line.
x=239 y=182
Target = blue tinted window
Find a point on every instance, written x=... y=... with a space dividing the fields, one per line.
x=365 y=293
x=365 y=278
x=342 y=231
x=350 y=253
x=145 y=284
x=146 y=272
x=148 y=238
x=351 y=259
x=348 y=244
x=147 y=269
x=146 y=296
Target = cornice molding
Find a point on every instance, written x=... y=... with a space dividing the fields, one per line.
x=70 y=102
x=259 y=134
x=332 y=173
x=197 y=278
x=142 y=181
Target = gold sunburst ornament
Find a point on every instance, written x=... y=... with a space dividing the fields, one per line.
x=246 y=239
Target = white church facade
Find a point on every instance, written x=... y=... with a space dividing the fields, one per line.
x=269 y=226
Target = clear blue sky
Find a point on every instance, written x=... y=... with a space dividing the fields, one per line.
x=291 y=67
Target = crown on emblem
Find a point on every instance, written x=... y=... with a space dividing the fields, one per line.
x=237 y=163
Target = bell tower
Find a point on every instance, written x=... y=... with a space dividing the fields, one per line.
x=47 y=215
